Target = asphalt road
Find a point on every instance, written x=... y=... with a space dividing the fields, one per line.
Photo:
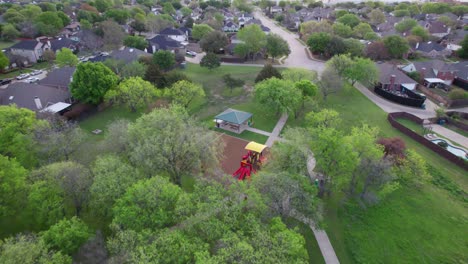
x=298 y=57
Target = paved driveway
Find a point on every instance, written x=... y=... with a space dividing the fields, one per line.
x=298 y=57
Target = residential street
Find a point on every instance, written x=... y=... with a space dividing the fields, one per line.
x=298 y=57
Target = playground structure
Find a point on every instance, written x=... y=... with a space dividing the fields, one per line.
x=250 y=162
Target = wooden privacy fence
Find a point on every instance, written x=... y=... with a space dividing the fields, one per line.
x=422 y=140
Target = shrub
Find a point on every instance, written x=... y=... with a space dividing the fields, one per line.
x=443 y=144
x=414 y=75
x=458 y=93
x=267 y=72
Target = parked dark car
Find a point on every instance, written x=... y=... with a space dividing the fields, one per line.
x=5 y=81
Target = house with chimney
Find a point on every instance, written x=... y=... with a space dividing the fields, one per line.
x=434 y=69
x=436 y=28
x=32 y=49
x=431 y=49
x=36 y=97
x=396 y=86
x=175 y=34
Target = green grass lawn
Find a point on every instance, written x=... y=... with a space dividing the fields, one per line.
x=247 y=135
x=360 y=236
x=7 y=44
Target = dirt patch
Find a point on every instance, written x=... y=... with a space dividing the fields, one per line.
x=233 y=152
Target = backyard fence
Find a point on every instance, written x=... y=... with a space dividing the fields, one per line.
x=422 y=140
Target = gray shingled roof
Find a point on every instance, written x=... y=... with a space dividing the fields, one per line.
x=23 y=95
x=25 y=45
x=59 y=78
x=128 y=54
x=387 y=70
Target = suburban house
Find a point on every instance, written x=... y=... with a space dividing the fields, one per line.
x=71 y=29
x=392 y=78
x=431 y=49
x=161 y=42
x=276 y=9
x=59 y=78
x=175 y=34
x=58 y=44
x=128 y=55
x=35 y=97
x=30 y=49
x=436 y=28
x=461 y=75
x=433 y=69
x=230 y=27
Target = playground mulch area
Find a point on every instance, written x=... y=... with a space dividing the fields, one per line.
x=233 y=152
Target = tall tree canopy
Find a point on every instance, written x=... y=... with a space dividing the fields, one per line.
x=133 y=93
x=276 y=46
x=91 y=81
x=65 y=57
x=184 y=92
x=281 y=96
x=163 y=141
x=253 y=37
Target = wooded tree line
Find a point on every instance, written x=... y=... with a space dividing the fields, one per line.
x=58 y=189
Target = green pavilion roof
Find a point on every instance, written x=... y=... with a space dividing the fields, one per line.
x=234 y=116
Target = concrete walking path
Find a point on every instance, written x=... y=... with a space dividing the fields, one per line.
x=277 y=130
x=450 y=135
x=429 y=112
x=321 y=236
x=258 y=131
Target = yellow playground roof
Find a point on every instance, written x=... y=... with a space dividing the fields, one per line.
x=256 y=147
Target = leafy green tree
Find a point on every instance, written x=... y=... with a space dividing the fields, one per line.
x=17 y=124
x=459 y=10
x=12 y=192
x=361 y=30
x=420 y=32
x=210 y=61
x=115 y=65
x=186 y=11
x=112 y=34
x=148 y=204
x=133 y=93
x=278 y=95
x=139 y=23
x=156 y=23
x=184 y=92
x=57 y=139
x=362 y=70
x=28 y=249
x=350 y=20
x=164 y=59
x=135 y=42
x=91 y=81
x=67 y=235
x=268 y=71
x=200 y=30
x=291 y=155
x=463 y=52
x=376 y=17
x=65 y=19
x=163 y=141
x=154 y=75
x=118 y=15
x=307 y=88
x=342 y=30
x=213 y=41
x=67 y=182
x=134 y=69
x=241 y=50
x=354 y=47
x=168 y=8
x=330 y=82
x=49 y=23
x=65 y=57
x=402 y=13
x=9 y=32
x=318 y=42
x=254 y=38
x=232 y=82
x=435 y=8
x=406 y=24
x=112 y=177
x=310 y=27
x=102 y=5
x=4 y=61
x=276 y=46
x=296 y=75
x=397 y=46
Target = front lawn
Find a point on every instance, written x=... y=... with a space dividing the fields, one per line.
x=7 y=44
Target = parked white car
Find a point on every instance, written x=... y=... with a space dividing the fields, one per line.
x=36 y=72
x=191 y=53
x=32 y=79
x=22 y=76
